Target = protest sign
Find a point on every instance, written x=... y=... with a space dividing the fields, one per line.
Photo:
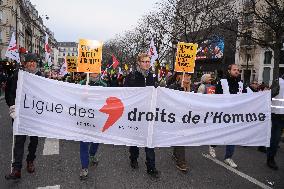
x=185 y=58
x=89 y=56
x=139 y=116
x=71 y=63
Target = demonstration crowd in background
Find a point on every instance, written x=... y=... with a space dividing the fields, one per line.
x=140 y=76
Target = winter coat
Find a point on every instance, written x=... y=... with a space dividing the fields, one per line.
x=233 y=86
x=136 y=79
x=100 y=82
x=11 y=87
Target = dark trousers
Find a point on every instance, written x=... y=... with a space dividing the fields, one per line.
x=230 y=149
x=150 y=156
x=87 y=149
x=276 y=131
x=179 y=154
x=19 y=150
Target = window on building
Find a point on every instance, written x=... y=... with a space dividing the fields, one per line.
x=1 y=39
x=72 y=54
x=68 y=54
x=63 y=54
x=248 y=18
x=282 y=57
x=267 y=57
x=266 y=75
x=1 y=16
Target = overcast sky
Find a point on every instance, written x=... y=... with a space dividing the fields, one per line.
x=91 y=19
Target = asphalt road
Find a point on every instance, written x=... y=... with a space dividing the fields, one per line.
x=61 y=169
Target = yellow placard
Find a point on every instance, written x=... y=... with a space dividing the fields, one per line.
x=89 y=56
x=185 y=58
x=126 y=67
x=71 y=62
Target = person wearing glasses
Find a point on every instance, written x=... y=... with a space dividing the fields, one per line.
x=142 y=77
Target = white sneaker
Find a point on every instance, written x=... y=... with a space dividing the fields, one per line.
x=212 y=152
x=230 y=162
x=84 y=174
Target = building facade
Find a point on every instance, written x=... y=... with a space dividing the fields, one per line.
x=21 y=17
x=256 y=61
x=66 y=49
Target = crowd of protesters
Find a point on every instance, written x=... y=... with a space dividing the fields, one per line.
x=141 y=76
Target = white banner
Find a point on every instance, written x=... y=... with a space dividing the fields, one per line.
x=148 y=116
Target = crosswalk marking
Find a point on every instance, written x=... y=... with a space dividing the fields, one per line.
x=247 y=177
x=51 y=147
x=50 y=187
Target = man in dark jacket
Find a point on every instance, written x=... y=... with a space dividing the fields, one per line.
x=30 y=65
x=277 y=118
x=231 y=85
x=142 y=77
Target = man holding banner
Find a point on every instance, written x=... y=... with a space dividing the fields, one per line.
x=142 y=77
x=277 y=118
x=231 y=85
x=30 y=65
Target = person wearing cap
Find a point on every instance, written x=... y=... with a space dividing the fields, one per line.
x=30 y=65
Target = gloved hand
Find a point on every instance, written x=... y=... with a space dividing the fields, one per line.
x=12 y=111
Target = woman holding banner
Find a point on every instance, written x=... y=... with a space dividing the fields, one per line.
x=88 y=150
x=207 y=88
x=142 y=77
x=177 y=82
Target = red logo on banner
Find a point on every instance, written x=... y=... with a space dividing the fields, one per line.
x=114 y=108
x=211 y=90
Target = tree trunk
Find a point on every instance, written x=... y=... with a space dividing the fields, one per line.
x=277 y=52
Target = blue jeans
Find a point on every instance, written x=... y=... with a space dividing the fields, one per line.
x=276 y=131
x=150 y=156
x=87 y=149
x=230 y=149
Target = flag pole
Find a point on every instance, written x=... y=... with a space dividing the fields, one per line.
x=13 y=146
x=182 y=79
x=88 y=78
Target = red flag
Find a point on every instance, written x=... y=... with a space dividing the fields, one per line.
x=115 y=62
